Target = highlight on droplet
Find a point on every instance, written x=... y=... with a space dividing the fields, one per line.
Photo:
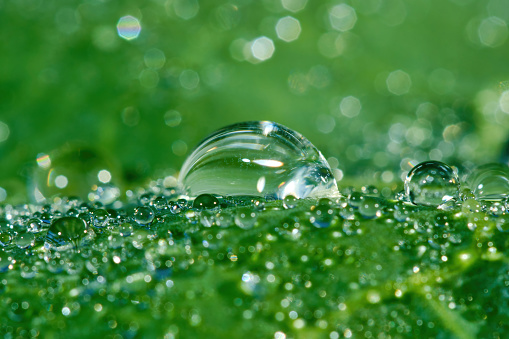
x=128 y=27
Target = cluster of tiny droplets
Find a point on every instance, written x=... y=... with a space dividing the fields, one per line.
x=96 y=244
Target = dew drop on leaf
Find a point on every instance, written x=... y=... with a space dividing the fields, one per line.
x=431 y=183
x=490 y=182
x=65 y=232
x=259 y=158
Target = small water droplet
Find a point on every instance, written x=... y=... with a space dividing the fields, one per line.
x=355 y=199
x=100 y=218
x=206 y=201
x=322 y=216
x=126 y=229
x=143 y=215
x=431 y=183
x=490 y=182
x=289 y=202
x=257 y=158
x=224 y=218
x=5 y=238
x=371 y=207
x=65 y=232
x=245 y=217
x=24 y=240
x=207 y=218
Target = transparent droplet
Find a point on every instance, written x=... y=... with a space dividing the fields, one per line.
x=143 y=215
x=224 y=219
x=206 y=201
x=174 y=207
x=5 y=238
x=371 y=208
x=289 y=202
x=66 y=232
x=71 y=171
x=24 y=240
x=100 y=218
x=490 y=182
x=34 y=225
x=257 y=158
x=322 y=216
x=160 y=203
x=207 y=218
x=355 y=199
x=126 y=229
x=245 y=217
x=431 y=183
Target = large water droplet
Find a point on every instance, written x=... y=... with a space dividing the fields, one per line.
x=257 y=158
x=490 y=182
x=431 y=183
x=65 y=232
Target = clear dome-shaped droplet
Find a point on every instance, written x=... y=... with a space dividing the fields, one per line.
x=257 y=158
x=65 y=232
x=431 y=183
x=143 y=215
x=206 y=202
x=490 y=182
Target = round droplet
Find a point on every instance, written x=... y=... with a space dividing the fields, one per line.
x=289 y=202
x=65 y=232
x=245 y=217
x=70 y=171
x=100 y=218
x=34 y=225
x=143 y=215
x=355 y=199
x=370 y=208
x=24 y=240
x=322 y=216
x=126 y=229
x=160 y=203
x=257 y=158
x=224 y=218
x=5 y=238
x=206 y=201
x=431 y=183
x=490 y=182
x=207 y=218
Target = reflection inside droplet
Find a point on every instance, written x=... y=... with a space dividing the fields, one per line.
x=257 y=158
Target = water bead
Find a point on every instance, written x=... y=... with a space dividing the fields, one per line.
x=245 y=217
x=289 y=202
x=322 y=216
x=224 y=218
x=100 y=218
x=125 y=229
x=490 y=182
x=260 y=158
x=66 y=231
x=371 y=207
x=207 y=218
x=206 y=201
x=431 y=183
x=355 y=199
x=24 y=240
x=143 y=215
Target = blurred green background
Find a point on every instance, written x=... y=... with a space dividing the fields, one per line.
x=376 y=85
